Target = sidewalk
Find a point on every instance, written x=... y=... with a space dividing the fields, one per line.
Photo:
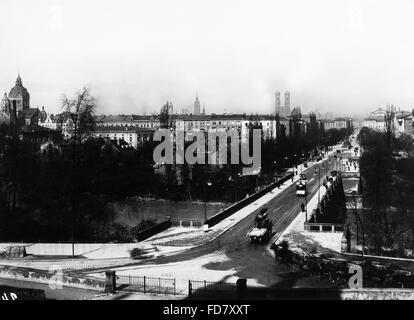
x=327 y=240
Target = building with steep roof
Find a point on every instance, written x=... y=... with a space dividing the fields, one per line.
x=5 y=105
x=20 y=94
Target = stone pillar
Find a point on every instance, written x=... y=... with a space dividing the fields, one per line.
x=110 y=282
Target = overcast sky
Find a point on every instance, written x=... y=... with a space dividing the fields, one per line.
x=339 y=56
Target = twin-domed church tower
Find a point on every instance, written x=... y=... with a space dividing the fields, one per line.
x=282 y=110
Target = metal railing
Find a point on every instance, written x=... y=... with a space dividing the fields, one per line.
x=323 y=227
x=186 y=223
x=244 y=202
x=207 y=288
x=146 y=284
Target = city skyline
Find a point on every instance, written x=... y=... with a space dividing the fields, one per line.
x=195 y=151
x=194 y=109
x=136 y=56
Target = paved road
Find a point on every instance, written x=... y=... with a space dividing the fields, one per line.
x=283 y=209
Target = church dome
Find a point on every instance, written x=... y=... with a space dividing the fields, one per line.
x=18 y=91
x=20 y=95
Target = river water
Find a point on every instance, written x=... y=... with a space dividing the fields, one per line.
x=131 y=211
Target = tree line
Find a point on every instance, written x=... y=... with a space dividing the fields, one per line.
x=387 y=181
x=61 y=192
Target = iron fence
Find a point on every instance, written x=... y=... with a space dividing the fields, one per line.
x=146 y=284
x=206 y=288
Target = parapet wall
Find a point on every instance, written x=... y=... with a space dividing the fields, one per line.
x=50 y=278
x=377 y=294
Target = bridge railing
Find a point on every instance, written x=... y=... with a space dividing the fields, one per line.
x=241 y=204
x=323 y=227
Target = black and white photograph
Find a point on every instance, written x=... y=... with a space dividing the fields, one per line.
x=190 y=153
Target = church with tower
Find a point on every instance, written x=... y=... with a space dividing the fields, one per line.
x=20 y=95
x=15 y=106
x=15 y=109
x=197 y=107
x=282 y=110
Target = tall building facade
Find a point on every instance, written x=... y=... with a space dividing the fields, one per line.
x=282 y=110
x=287 y=100
x=277 y=101
x=197 y=106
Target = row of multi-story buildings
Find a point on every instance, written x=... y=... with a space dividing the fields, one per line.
x=337 y=123
x=38 y=125
x=399 y=121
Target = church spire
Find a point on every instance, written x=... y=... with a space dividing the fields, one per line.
x=19 y=80
x=197 y=105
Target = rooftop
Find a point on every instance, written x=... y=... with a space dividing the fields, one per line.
x=128 y=129
x=377 y=119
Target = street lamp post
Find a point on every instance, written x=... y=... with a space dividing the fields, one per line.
x=208 y=184
x=233 y=187
x=295 y=161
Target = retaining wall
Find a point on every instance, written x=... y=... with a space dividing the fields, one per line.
x=69 y=280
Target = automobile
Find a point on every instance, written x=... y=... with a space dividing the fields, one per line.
x=303 y=178
x=261 y=232
x=301 y=188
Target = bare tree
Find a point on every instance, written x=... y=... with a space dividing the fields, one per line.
x=355 y=203
x=165 y=117
x=389 y=123
x=80 y=109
